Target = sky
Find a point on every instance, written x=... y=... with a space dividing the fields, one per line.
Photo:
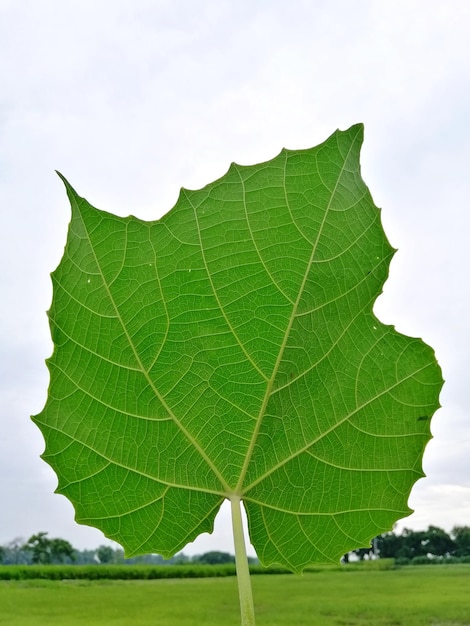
x=133 y=99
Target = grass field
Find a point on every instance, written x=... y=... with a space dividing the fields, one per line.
x=411 y=596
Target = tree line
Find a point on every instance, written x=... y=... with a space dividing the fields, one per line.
x=405 y=547
x=412 y=545
x=40 y=549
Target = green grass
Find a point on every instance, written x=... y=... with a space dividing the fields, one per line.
x=411 y=596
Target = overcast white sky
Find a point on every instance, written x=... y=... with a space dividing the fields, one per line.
x=132 y=99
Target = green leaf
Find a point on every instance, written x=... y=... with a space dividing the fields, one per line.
x=230 y=350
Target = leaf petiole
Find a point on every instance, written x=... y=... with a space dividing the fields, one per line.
x=243 y=572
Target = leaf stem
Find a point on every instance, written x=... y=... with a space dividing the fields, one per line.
x=243 y=572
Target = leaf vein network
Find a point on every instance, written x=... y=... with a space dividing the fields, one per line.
x=300 y=522
x=280 y=509
x=92 y=352
x=216 y=296
x=377 y=470
x=139 y=472
x=126 y=413
x=326 y=354
x=270 y=385
x=255 y=245
x=329 y=430
x=178 y=423
x=162 y=299
x=278 y=548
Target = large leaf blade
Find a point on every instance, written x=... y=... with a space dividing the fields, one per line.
x=230 y=348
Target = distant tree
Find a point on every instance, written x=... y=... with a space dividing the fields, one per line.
x=105 y=554
x=13 y=553
x=437 y=542
x=214 y=558
x=61 y=551
x=389 y=545
x=412 y=544
x=39 y=546
x=2 y=553
x=119 y=556
x=46 y=551
x=85 y=557
x=416 y=543
x=461 y=538
x=179 y=559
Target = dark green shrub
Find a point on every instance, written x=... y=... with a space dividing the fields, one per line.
x=422 y=560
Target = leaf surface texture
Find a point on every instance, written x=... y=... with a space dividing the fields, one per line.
x=230 y=348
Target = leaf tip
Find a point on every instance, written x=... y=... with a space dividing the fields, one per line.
x=71 y=193
x=357 y=128
x=62 y=178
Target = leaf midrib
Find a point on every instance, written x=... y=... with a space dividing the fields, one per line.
x=239 y=489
